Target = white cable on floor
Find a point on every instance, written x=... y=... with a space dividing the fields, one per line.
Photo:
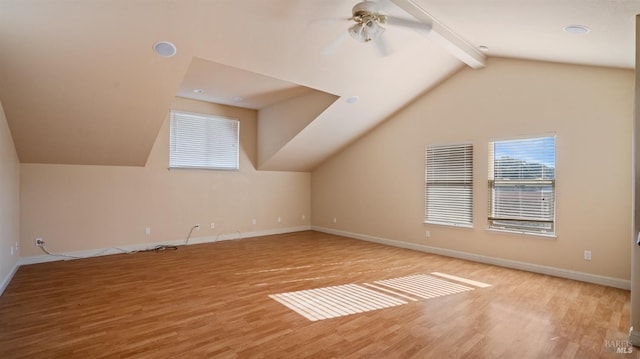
x=186 y=242
x=43 y=247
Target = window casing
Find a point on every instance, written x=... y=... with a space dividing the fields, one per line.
x=203 y=141
x=522 y=185
x=449 y=185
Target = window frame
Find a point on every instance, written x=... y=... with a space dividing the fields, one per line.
x=521 y=224
x=205 y=158
x=458 y=182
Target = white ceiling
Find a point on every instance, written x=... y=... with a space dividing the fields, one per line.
x=80 y=84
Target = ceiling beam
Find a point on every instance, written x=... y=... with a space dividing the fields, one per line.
x=445 y=37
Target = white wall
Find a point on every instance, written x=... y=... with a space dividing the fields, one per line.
x=9 y=203
x=375 y=187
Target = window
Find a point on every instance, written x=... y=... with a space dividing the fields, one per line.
x=449 y=185
x=522 y=185
x=203 y=141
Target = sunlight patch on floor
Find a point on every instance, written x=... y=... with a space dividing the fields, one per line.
x=338 y=301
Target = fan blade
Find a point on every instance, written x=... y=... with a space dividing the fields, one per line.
x=335 y=44
x=416 y=25
x=382 y=46
x=386 y=6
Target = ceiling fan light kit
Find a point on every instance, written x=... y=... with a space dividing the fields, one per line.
x=367 y=26
x=366 y=32
x=368 y=20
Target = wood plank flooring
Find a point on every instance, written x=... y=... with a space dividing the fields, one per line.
x=212 y=301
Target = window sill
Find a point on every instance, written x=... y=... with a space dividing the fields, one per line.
x=467 y=226
x=204 y=169
x=534 y=234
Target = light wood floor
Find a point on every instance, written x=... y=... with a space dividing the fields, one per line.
x=212 y=300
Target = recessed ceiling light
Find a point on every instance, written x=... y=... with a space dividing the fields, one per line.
x=483 y=48
x=198 y=91
x=353 y=99
x=237 y=99
x=576 y=29
x=164 y=48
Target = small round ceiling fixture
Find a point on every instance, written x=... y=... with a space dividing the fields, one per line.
x=576 y=29
x=353 y=99
x=483 y=48
x=198 y=91
x=164 y=48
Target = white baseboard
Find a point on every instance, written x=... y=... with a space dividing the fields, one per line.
x=146 y=246
x=529 y=267
x=8 y=277
x=239 y=235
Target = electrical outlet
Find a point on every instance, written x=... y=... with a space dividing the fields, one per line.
x=39 y=242
x=335 y=220
x=213 y=225
x=427 y=234
x=254 y=221
x=587 y=255
x=12 y=251
x=147 y=231
x=17 y=246
x=279 y=219
x=197 y=227
x=304 y=217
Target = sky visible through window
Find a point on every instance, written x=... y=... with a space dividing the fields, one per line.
x=529 y=150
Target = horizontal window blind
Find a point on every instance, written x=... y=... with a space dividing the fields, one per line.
x=203 y=141
x=522 y=184
x=449 y=185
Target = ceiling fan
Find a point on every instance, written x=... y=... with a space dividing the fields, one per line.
x=368 y=25
x=368 y=28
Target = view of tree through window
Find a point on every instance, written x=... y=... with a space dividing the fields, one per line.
x=522 y=184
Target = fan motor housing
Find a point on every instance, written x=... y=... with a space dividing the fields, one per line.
x=364 y=8
x=367 y=11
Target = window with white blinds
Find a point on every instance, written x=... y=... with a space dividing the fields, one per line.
x=203 y=141
x=449 y=185
x=522 y=185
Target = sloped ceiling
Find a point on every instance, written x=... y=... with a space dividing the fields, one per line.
x=213 y=82
x=80 y=83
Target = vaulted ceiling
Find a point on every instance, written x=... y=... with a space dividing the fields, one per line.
x=80 y=83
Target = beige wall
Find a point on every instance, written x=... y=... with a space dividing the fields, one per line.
x=376 y=186
x=88 y=207
x=9 y=200
x=280 y=122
